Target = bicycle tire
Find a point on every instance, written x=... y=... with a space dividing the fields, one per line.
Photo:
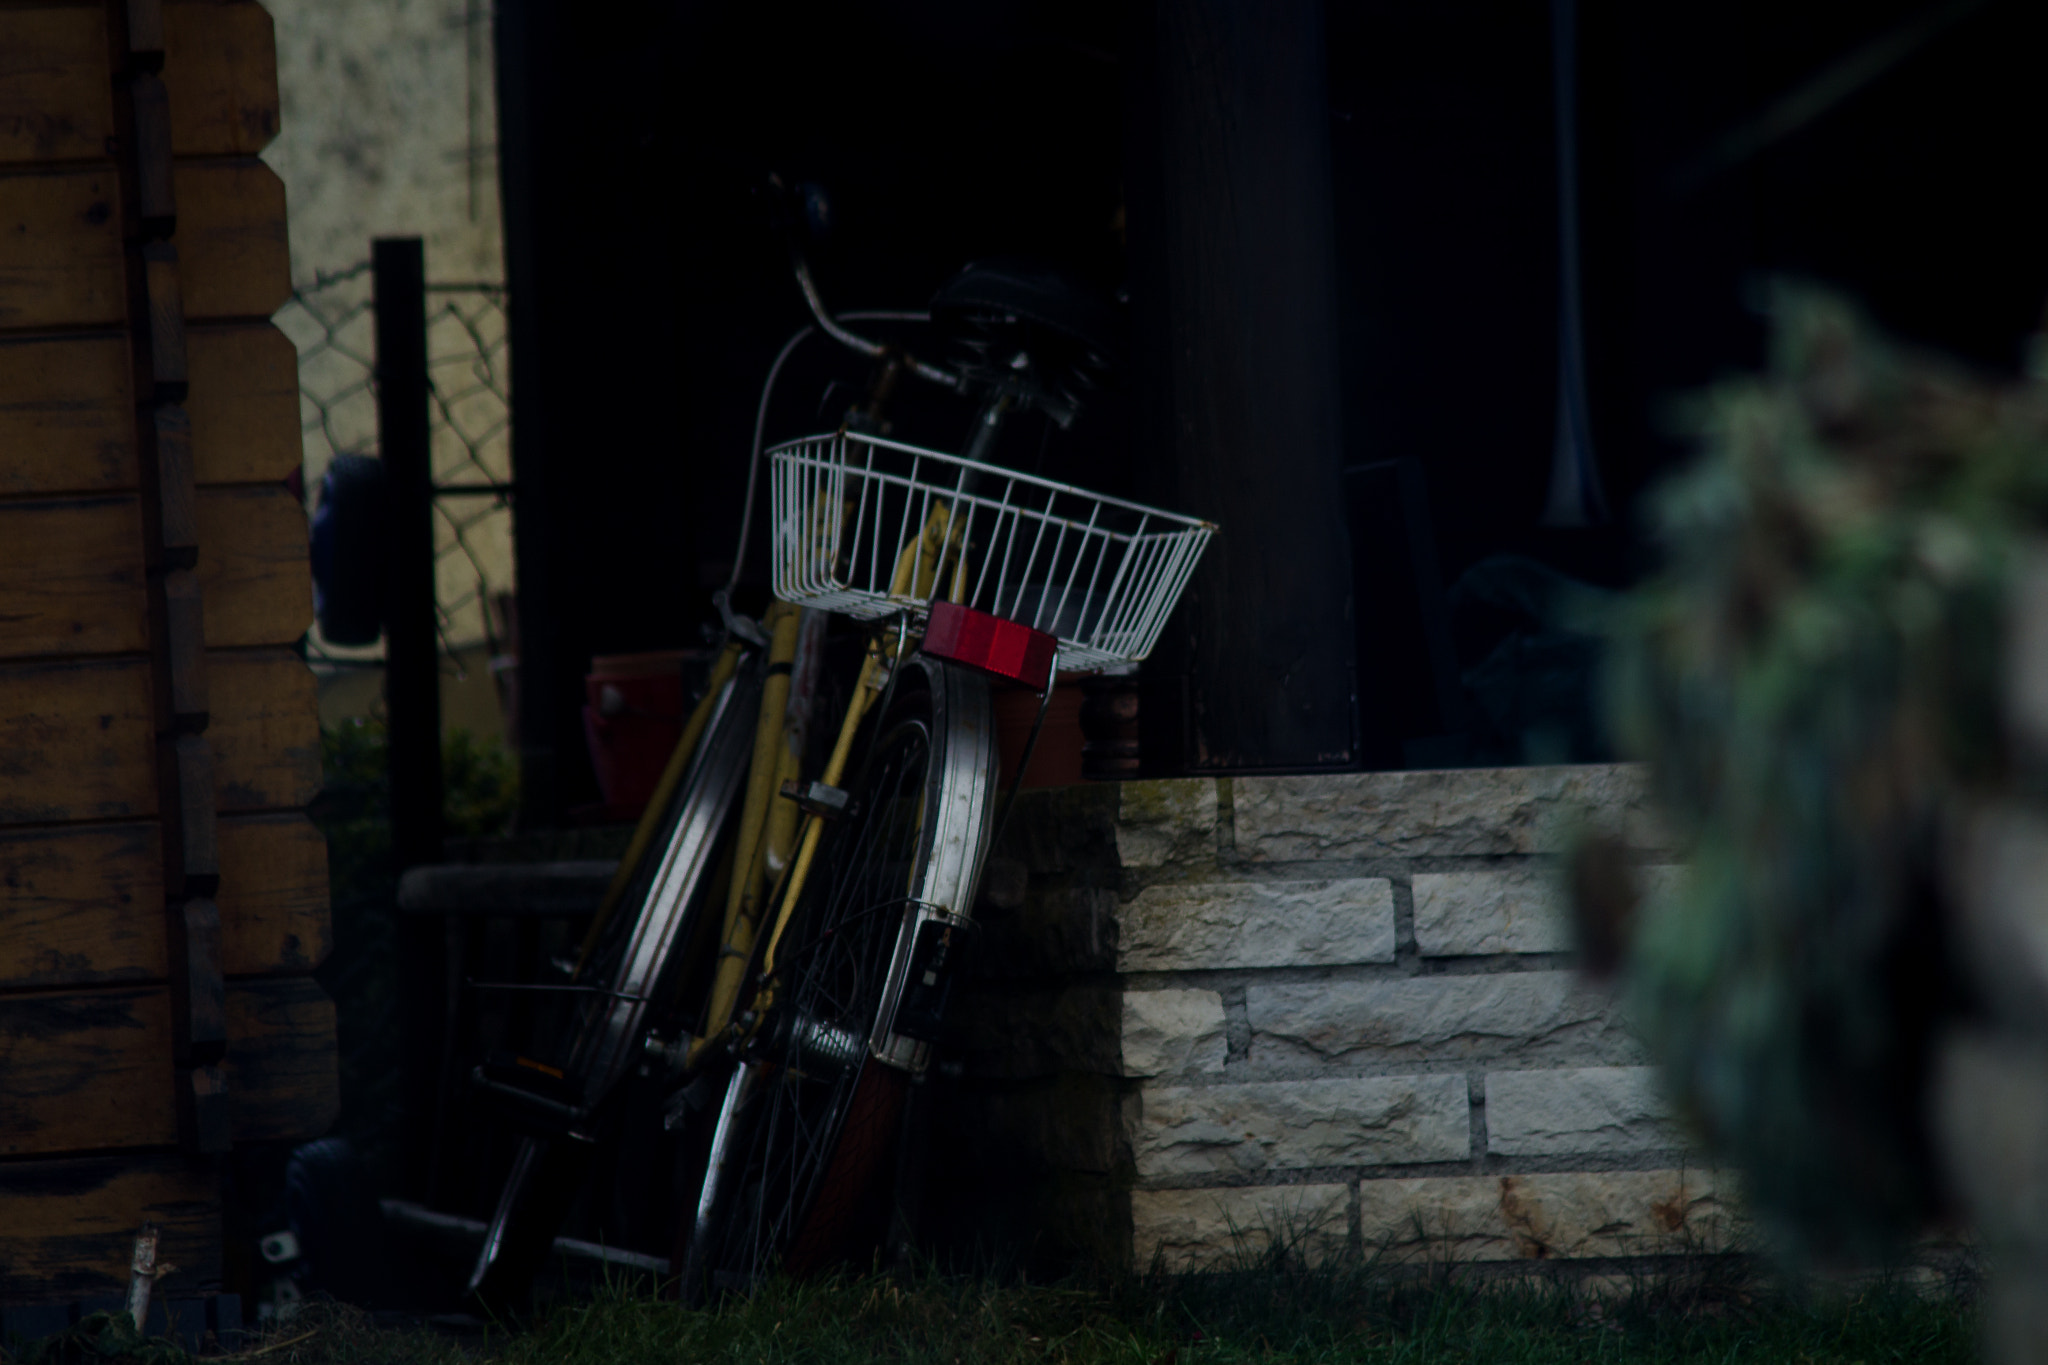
x=801 y=1157
x=633 y=963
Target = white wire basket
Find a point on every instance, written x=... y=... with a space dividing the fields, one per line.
x=871 y=527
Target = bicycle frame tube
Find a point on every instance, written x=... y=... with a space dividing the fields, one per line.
x=656 y=814
x=955 y=846
x=734 y=956
x=743 y=902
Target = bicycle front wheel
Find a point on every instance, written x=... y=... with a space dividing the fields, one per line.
x=801 y=1177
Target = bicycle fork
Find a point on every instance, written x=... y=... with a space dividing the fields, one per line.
x=721 y=1174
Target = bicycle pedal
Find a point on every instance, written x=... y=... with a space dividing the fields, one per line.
x=533 y=1077
x=827 y=803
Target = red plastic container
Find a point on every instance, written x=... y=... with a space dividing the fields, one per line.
x=1056 y=762
x=635 y=705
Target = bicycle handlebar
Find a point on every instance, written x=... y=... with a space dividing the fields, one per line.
x=853 y=341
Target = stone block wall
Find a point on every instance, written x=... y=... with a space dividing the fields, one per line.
x=1339 y=1007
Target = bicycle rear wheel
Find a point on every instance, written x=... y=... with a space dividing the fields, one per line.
x=798 y=1175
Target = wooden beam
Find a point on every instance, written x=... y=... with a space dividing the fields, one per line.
x=191 y=843
x=67 y=414
x=92 y=1070
x=165 y=334
x=265 y=731
x=220 y=63
x=253 y=566
x=71 y=577
x=234 y=260
x=61 y=262
x=77 y=736
x=244 y=404
x=273 y=895
x=66 y=1226
x=86 y=1070
x=81 y=904
x=67 y=409
x=281 y=1057
x=56 y=97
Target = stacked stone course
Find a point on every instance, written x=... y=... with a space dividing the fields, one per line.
x=1337 y=1007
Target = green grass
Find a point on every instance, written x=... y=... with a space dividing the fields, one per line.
x=1333 y=1318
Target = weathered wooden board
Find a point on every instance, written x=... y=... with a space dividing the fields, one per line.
x=60 y=248
x=56 y=97
x=220 y=63
x=253 y=571
x=67 y=409
x=81 y=904
x=283 y=1077
x=244 y=403
x=232 y=256
x=67 y=414
x=86 y=1071
x=67 y=1226
x=273 y=895
x=76 y=737
x=265 y=730
x=76 y=741
x=71 y=577
x=92 y=1070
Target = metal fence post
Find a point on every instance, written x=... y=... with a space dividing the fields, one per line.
x=412 y=680
x=412 y=668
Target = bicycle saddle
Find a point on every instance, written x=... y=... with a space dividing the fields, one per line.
x=1024 y=326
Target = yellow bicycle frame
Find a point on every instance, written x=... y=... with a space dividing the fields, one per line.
x=917 y=571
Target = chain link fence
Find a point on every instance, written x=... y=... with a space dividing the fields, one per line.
x=333 y=324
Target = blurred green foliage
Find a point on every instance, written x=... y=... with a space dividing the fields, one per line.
x=480 y=787
x=1813 y=677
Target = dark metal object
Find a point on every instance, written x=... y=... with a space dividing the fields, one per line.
x=827 y=803
x=540 y=890
x=555 y=1116
x=412 y=681
x=1237 y=374
x=413 y=1215
x=1052 y=674
x=552 y=987
x=1577 y=496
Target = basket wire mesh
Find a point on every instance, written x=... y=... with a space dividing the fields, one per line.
x=871 y=527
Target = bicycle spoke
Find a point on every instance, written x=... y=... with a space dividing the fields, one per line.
x=834 y=979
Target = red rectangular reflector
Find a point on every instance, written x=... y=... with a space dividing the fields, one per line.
x=991 y=644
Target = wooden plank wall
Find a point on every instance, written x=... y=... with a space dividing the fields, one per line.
x=162 y=895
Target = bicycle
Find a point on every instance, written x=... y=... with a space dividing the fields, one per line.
x=807 y=1005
